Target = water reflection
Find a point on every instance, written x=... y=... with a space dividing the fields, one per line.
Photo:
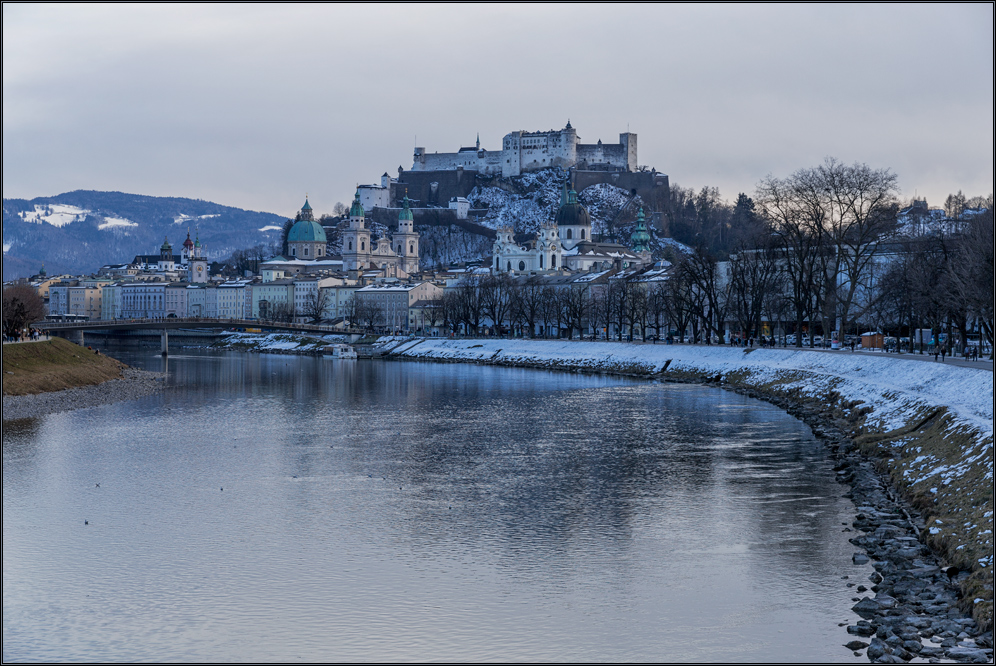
x=279 y=507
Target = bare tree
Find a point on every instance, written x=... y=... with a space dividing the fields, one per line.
x=496 y=297
x=575 y=303
x=753 y=273
x=316 y=303
x=702 y=270
x=549 y=310
x=22 y=306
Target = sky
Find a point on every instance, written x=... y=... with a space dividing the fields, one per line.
x=255 y=106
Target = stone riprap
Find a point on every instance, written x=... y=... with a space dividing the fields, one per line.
x=135 y=384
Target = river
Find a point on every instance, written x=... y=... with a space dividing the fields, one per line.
x=285 y=508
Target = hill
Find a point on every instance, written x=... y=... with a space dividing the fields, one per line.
x=77 y=232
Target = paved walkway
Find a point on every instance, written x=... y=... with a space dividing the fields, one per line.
x=981 y=364
x=42 y=338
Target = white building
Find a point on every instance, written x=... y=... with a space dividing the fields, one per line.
x=232 y=299
x=145 y=299
x=391 y=301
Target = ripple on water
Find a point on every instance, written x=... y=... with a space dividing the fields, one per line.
x=281 y=508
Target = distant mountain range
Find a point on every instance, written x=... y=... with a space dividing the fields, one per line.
x=78 y=232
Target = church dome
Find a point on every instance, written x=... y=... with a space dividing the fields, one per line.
x=572 y=213
x=306 y=231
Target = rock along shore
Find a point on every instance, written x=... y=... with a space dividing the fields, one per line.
x=135 y=384
x=914 y=442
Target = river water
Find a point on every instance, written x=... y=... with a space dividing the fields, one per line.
x=289 y=508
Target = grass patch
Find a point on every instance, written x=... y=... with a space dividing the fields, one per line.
x=54 y=365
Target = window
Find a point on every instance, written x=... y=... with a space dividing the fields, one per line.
x=350 y=245
x=570 y=233
x=582 y=234
x=522 y=265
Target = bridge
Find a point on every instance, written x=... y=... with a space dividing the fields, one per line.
x=74 y=330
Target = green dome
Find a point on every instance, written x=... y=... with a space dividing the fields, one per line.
x=406 y=213
x=306 y=231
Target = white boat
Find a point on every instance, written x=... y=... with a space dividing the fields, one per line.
x=339 y=351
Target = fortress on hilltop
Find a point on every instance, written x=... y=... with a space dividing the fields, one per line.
x=528 y=151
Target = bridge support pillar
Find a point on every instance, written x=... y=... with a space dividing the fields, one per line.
x=165 y=342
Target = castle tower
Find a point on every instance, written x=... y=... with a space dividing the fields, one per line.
x=356 y=239
x=406 y=239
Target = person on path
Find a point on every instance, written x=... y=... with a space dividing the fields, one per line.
x=944 y=350
x=937 y=352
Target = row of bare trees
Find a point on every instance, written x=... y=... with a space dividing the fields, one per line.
x=539 y=307
x=944 y=283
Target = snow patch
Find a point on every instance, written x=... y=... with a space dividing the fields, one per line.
x=58 y=215
x=110 y=222
x=270 y=227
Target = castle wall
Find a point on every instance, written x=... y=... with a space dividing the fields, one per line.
x=484 y=161
x=457 y=182
x=654 y=188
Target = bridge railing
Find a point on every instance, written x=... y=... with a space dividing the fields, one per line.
x=193 y=322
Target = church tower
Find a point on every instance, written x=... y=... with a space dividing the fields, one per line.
x=166 y=256
x=573 y=221
x=406 y=239
x=198 y=265
x=356 y=239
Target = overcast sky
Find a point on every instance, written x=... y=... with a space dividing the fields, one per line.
x=254 y=106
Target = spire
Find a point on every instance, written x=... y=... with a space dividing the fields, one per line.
x=478 y=141
x=356 y=210
x=406 y=213
x=640 y=237
x=306 y=206
x=563 y=194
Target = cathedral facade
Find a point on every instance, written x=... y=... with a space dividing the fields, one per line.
x=399 y=252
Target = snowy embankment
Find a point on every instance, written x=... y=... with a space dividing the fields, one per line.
x=895 y=389
x=277 y=343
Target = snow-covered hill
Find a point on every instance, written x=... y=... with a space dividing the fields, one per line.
x=77 y=232
x=525 y=202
